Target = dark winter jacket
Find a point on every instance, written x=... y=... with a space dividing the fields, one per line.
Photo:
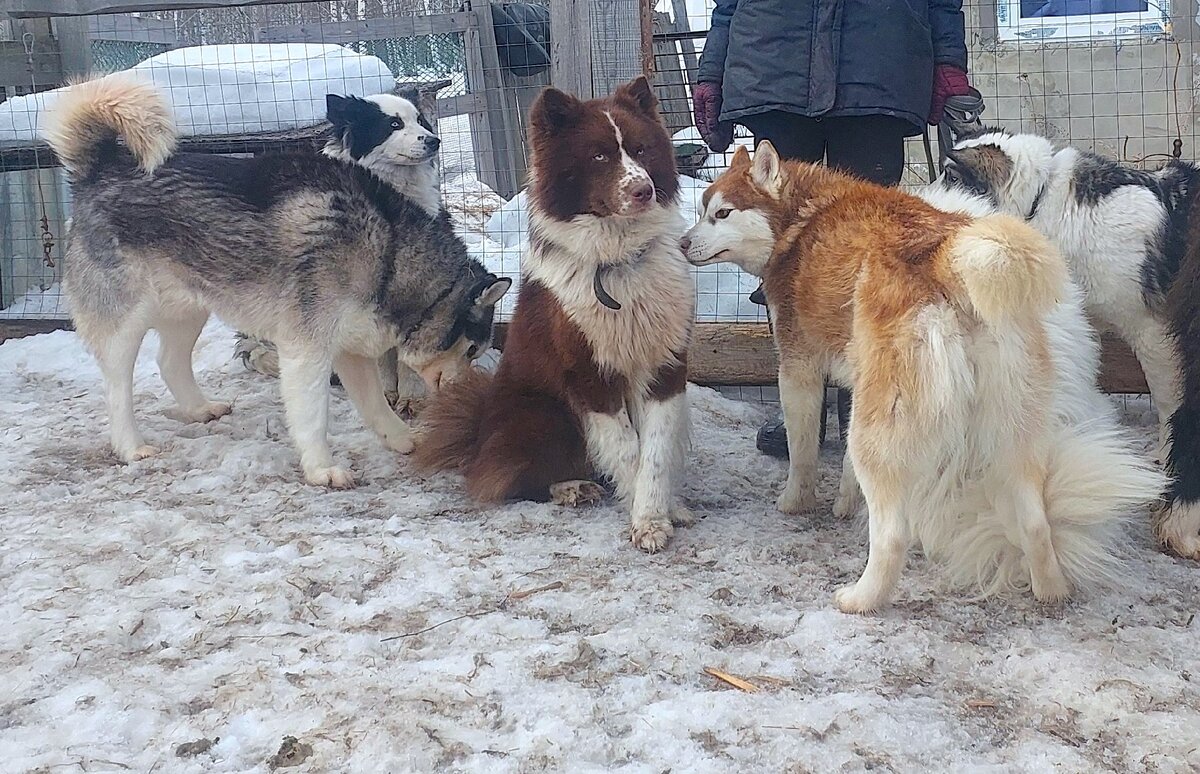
x=831 y=57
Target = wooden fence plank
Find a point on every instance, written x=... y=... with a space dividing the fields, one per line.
x=736 y=354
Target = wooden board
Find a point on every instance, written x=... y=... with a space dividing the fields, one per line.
x=735 y=354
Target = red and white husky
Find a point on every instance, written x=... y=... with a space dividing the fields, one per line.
x=594 y=371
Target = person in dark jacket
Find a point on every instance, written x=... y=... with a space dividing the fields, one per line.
x=840 y=81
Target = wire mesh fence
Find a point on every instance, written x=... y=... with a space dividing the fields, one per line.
x=1119 y=81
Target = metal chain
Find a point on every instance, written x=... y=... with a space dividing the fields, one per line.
x=48 y=238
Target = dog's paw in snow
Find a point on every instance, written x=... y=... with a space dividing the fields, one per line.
x=651 y=535
x=796 y=499
x=209 y=412
x=399 y=442
x=139 y=452
x=573 y=494
x=333 y=477
x=855 y=600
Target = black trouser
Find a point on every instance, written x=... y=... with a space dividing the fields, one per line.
x=871 y=147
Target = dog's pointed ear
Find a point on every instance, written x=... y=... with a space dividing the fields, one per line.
x=412 y=94
x=766 y=169
x=741 y=158
x=555 y=110
x=491 y=290
x=638 y=94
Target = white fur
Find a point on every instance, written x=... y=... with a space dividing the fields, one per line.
x=633 y=174
x=740 y=237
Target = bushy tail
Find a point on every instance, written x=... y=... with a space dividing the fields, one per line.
x=448 y=432
x=1096 y=480
x=85 y=123
x=1008 y=269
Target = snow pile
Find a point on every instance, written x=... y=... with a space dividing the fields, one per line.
x=187 y=612
x=235 y=88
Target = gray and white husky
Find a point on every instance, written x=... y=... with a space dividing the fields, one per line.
x=313 y=253
x=387 y=134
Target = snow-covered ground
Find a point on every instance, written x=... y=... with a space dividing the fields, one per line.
x=188 y=612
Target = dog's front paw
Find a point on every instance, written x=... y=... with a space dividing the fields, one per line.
x=333 y=477
x=210 y=411
x=651 y=535
x=572 y=494
x=1177 y=527
x=139 y=452
x=796 y=499
x=399 y=442
x=856 y=600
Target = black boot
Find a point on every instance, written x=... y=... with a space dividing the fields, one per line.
x=772 y=436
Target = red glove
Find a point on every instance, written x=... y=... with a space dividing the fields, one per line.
x=948 y=81
x=706 y=107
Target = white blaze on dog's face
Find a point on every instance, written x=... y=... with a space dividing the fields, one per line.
x=735 y=226
x=385 y=127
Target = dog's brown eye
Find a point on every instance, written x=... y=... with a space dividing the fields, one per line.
x=722 y=214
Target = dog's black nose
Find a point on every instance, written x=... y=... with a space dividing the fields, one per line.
x=643 y=193
x=685 y=244
x=433 y=143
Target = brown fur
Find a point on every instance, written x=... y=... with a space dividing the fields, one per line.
x=515 y=435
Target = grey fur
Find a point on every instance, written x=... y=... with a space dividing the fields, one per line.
x=315 y=254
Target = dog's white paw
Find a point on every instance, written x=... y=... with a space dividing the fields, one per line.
x=1177 y=527
x=209 y=411
x=573 y=494
x=796 y=499
x=651 y=535
x=401 y=443
x=1051 y=591
x=333 y=477
x=139 y=452
x=854 y=600
x=847 y=503
x=681 y=516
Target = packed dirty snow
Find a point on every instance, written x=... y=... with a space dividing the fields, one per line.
x=204 y=611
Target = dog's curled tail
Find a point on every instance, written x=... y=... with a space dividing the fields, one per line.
x=448 y=432
x=85 y=123
x=1008 y=269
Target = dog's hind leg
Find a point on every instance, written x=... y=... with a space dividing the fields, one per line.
x=360 y=377
x=1022 y=504
x=177 y=338
x=886 y=553
x=117 y=354
x=304 y=382
x=1156 y=354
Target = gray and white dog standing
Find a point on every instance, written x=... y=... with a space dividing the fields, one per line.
x=313 y=253
x=387 y=134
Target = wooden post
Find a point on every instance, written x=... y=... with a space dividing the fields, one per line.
x=74 y=46
x=571 y=47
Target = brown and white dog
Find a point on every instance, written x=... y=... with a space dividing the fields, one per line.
x=593 y=376
x=969 y=430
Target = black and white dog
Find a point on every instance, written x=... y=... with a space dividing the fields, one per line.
x=388 y=135
x=1131 y=244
